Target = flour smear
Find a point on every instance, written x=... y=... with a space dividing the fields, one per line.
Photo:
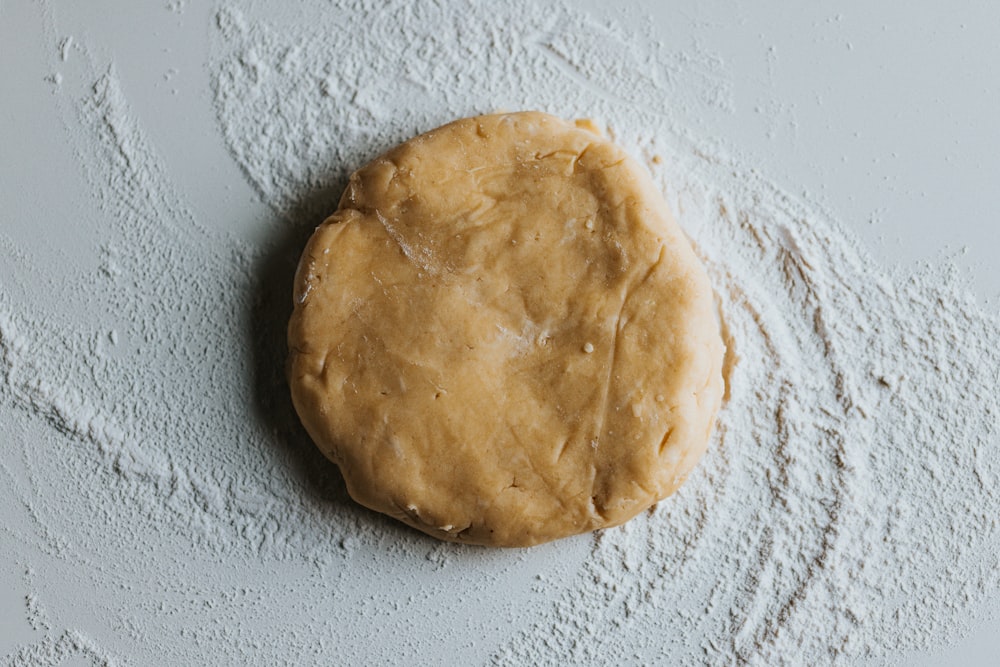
x=167 y=508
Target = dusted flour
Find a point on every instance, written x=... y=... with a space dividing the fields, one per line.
x=846 y=508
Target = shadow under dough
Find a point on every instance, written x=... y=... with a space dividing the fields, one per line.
x=268 y=314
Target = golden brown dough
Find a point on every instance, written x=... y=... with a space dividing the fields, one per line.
x=502 y=337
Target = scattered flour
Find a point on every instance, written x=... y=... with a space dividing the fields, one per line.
x=847 y=508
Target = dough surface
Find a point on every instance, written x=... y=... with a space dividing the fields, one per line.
x=502 y=337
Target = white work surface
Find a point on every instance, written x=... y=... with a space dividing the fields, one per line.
x=883 y=113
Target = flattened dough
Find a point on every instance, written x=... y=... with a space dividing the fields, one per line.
x=502 y=337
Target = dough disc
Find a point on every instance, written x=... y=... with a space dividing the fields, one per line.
x=502 y=337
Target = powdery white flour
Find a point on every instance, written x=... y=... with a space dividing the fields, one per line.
x=846 y=508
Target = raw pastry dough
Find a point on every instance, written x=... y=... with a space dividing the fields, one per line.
x=502 y=337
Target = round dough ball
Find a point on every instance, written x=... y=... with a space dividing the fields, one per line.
x=502 y=337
